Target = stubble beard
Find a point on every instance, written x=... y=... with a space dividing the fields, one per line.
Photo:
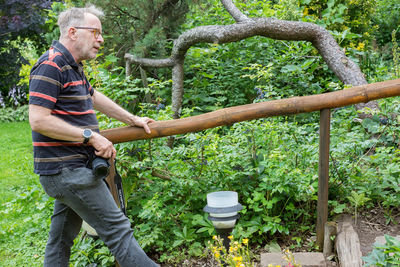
x=86 y=52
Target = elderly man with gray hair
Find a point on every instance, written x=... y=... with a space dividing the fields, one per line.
x=65 y=135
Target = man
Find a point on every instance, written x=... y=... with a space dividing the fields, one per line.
x=66 y=137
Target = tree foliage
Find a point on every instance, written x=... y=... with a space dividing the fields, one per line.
x=387 y=19
x=340 y=15
x=346 y=70
x=142 y=27
x=21 y=22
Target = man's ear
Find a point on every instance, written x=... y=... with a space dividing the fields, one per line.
x=72 y=33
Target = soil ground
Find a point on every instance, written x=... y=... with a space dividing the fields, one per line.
x=374 y=223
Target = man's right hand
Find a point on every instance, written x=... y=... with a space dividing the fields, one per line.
x=104 y=148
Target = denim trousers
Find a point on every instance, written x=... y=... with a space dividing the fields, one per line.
x=80 y=195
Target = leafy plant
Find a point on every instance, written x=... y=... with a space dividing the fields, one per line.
x=358 y=200
x=14 y=114
x=238 y=253
x=22 y=24
x=386 y=255
x=387 y=18
x=88 y=250
x=342 y=15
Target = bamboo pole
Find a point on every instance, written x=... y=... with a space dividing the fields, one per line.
x=227 y=116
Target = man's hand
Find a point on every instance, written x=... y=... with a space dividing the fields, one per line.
x=143 y=122
x=104 y=148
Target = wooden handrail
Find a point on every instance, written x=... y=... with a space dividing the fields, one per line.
x=227 y=116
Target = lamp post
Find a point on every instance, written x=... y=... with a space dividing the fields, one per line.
x=223 y=207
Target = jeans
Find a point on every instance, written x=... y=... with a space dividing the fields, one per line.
x=80 y=195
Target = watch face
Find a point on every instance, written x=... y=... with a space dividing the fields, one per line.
x=87 y=133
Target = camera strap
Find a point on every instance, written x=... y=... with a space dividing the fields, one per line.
x=120 y=190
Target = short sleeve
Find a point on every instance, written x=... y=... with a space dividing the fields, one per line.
x=45 y=84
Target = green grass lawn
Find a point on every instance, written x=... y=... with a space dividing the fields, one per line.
x=16 y=166
x=25 y=209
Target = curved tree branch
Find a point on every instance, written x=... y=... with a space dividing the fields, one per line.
x=147 y=62
x=177 y=89
x=345 y=69
x=236 y=14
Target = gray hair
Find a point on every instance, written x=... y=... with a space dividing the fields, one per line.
x=75 y=15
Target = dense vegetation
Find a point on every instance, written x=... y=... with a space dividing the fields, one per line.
x=272 y=163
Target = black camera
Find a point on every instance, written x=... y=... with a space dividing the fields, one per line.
x=100 y=167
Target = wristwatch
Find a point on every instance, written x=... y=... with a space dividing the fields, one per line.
x=87 y=133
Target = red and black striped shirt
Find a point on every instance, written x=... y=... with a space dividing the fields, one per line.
x=58 y=83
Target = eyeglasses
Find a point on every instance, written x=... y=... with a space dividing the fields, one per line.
x=96 y=31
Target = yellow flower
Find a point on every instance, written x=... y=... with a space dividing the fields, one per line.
x=214 y=237
x=238 y=259
x=230 y=237
x=360 y=46
x=245 y=241
x=217 y=255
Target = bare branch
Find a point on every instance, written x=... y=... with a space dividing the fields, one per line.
x=147 y=62
x=346 y=70
x=161 y=174
x=236 y=14
x=177 y=89
x=121 y=11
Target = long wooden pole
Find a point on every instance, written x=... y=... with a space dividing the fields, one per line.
x=323 y=174
x=227 y=116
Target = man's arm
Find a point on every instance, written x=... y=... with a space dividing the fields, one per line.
x=43 y=122
x=105 y=105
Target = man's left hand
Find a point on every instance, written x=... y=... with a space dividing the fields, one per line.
x=143 y=122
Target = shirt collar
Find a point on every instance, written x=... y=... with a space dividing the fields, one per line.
x=70 y=59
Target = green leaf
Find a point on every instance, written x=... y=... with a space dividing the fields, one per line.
x=273 y=247
x=177 y=243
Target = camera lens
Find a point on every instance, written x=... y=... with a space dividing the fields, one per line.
x=101 y=167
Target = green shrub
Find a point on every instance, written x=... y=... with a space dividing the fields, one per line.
x=386 y=255
x=272 y=163
x=14 y=114
x=387 y=18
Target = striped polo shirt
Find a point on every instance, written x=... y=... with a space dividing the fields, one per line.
x=58 y=83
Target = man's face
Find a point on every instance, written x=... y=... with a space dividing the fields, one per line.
x=89 y=38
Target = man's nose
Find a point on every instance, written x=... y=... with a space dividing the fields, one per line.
x=100 y=39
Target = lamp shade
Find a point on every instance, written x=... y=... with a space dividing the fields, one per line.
x=223 y=207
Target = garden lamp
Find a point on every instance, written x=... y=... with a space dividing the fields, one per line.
x=223 y=207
